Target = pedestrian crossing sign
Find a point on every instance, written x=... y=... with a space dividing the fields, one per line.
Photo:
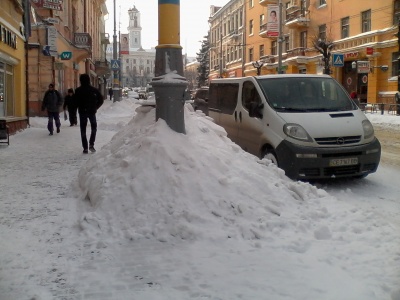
x=338 y=60
x=115 y=64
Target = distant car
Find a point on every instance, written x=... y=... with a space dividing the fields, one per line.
x=133 y=94
x=200 y=100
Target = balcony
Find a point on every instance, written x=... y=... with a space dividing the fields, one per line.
x=102 y=67
x=297 y=19
x=264 y=33
x=266 y=2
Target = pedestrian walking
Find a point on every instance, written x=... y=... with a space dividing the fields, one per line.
x=70 y=104
x=110 y=92
x=88 y=100
x=52 y=102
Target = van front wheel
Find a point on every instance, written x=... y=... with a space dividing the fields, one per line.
x=270 y=154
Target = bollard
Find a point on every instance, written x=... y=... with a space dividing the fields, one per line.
x=169 y=91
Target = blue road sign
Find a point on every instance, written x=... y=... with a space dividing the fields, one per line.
x=115 y=64
x=338 y=60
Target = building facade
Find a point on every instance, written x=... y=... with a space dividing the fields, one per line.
x=13 y=100
x=361 y=33
x=227 y=40
x=67 y=39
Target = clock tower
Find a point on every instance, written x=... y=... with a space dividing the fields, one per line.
x=134 y=29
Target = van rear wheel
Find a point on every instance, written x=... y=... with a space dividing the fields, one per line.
x=271 y=155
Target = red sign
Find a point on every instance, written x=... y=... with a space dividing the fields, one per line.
x=370 y=51
x=49 y=4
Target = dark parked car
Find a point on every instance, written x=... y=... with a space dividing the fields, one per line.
x=200 y=99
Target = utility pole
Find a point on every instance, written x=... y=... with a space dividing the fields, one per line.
x=398 y=71
x=169 y=83
x=116 y=91
x=280 y=39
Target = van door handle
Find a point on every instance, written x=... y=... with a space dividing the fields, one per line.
x=235 y=116
x=240 y=117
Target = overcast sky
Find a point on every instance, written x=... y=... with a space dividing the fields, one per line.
x=193 y=15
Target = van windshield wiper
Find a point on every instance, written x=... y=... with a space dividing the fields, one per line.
x=292 y=109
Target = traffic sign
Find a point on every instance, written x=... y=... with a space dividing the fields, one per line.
x=115 y=64
x=338 y=60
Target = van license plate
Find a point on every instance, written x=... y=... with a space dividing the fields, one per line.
x=343 y=162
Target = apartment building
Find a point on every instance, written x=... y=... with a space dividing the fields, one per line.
x=227 y=40
x=13 y=65
x=362 y=35
x=67 y=39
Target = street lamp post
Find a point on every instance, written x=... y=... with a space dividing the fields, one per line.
x=115 y=72
x=280 y=39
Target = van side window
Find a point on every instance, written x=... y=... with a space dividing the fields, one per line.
x=223 y=97
x=251 y=99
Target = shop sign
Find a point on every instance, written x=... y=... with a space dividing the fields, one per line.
x=363 y=67
x=82 y=39
x=52 y=37
x=351 y=55
x=370 y=51
x=8 y=37
x=66 y=55
x=49 y=4
x=52 y=20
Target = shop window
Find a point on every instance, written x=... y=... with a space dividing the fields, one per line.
x=395 y=64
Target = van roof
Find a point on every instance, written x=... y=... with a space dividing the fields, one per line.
x=271 y=76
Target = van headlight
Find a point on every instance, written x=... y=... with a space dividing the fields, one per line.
x=368 y=129
x=297 y=132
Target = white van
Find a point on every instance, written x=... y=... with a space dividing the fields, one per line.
x=306 y=124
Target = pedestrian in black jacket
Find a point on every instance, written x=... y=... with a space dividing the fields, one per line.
x=52 y=101
x=69 y=103
x=88 y=99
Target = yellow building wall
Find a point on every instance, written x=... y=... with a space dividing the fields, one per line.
x=10 y=18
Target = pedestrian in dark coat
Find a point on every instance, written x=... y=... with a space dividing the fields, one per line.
x=52 y=101
x=110 y=92
x=88 y=99
x=69 y=103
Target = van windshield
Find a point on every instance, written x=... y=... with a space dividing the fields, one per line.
x=305 y=94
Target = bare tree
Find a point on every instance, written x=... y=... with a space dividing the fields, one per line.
x=325 y=48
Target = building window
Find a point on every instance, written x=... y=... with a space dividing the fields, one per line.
x=274 y=47
x=251 y=3
x=251 y=25
x=262 y=18
x=303 y=39
x=396 y=11
x=287 y=45
x=345 y=27
x=366 y=21
x=322 y=32
x=261 y=51
x=322 y=2
x=395 y=63
x=251 y=54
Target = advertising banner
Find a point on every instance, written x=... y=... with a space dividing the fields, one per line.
x=124 y=43
x=273 y=21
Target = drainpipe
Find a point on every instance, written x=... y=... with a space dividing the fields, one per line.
x=26 y=33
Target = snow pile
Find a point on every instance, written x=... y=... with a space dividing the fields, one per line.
x=190 y=202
